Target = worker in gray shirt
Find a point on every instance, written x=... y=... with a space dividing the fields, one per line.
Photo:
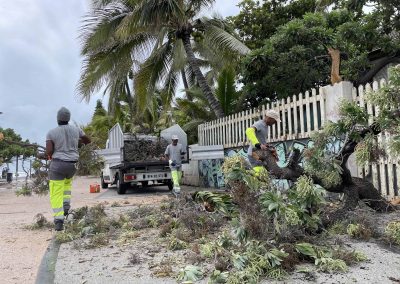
x=62 y=148
x=173 y=154
x=257 y=135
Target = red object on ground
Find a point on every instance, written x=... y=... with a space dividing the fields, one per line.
x=94 y=188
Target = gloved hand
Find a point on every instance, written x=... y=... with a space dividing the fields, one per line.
x=172 y=163
x=261 y=146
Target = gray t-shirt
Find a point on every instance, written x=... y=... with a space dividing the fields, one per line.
x=261 y=134
x=65 y=139
x=174 y=153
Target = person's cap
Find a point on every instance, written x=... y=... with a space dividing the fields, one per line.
x=273 y=114
x=63 y=114
x=174 y=137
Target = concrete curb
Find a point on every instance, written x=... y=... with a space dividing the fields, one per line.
x=47 y=268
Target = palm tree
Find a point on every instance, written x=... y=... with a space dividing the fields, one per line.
x=158 y=40
x=193 y=111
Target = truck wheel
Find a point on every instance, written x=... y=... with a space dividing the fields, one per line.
x=121 y=188
x=145 y=183
x=103 y=184
x=170 y=185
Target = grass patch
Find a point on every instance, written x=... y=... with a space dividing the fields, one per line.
x=338 y=228
x=98 y=240
x=176 y=244
x=359 y=231
x=127 y=237
x=40 y=223
x=392 y=232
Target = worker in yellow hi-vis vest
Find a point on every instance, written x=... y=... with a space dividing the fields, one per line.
x=173 y=154
x=62 y=148
x=257 y=135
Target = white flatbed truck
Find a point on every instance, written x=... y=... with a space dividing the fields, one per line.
x=123 y=173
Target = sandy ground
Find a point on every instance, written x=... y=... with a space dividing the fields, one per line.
x=382 y=267
x=21 y=250
x=111 y=264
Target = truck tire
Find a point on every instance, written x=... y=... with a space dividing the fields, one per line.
x=103 y=184
x=170 y=185
x=121 y=187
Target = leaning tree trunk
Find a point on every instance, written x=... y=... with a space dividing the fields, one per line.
x=215 y=105
x=129 y=99
x=354 y=189
x=186 y=85
x=335 y=68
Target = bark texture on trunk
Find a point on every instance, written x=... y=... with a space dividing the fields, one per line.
x=353 y=188
x=335 y=69
x=129 y=98
x=215 y=105
x=186 y=85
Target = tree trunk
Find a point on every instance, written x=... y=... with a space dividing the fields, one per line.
x=129 y=98
x=215 y=105
x=353 y=188
x=335 y=69
x=186 y=85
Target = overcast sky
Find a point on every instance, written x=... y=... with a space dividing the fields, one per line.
x=40 y=63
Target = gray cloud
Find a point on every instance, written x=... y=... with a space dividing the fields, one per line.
x=40 y=63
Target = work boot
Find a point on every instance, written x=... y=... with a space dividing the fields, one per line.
x=59 y=224
x=176 y=191
x=66 y=206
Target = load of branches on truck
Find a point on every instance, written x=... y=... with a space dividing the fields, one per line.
x=144 y=148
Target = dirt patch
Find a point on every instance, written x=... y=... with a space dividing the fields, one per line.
x=17 y=213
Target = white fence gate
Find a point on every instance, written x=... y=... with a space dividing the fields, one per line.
x=300 y=116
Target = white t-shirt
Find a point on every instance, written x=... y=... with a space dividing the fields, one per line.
x=65 y=139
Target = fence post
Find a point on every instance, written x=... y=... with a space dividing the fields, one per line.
x=334 y=95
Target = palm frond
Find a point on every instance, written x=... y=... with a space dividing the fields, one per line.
x=101 y=67
x=113 y=64
x=220 y=39
x=153 y=70
x=98 y=29
x=190 y=77
x=193 y=124
x=226 y=91
x=169 y=87
x=197 y=109
x=180 y=60
x=100 y=3
x=158 y=13
x=197 y=6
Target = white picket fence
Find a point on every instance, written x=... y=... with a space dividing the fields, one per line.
x=300 y=116
x=384 y=173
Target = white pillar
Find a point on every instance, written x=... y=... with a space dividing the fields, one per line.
x=334 y=95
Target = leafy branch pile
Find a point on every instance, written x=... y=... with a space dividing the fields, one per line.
x=141 y=149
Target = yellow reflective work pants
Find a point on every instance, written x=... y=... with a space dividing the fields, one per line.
x=176 y=178
x=60 y=175
x=60 y=196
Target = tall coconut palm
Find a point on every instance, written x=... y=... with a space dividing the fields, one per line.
x=156 y=39
x=190 y=112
